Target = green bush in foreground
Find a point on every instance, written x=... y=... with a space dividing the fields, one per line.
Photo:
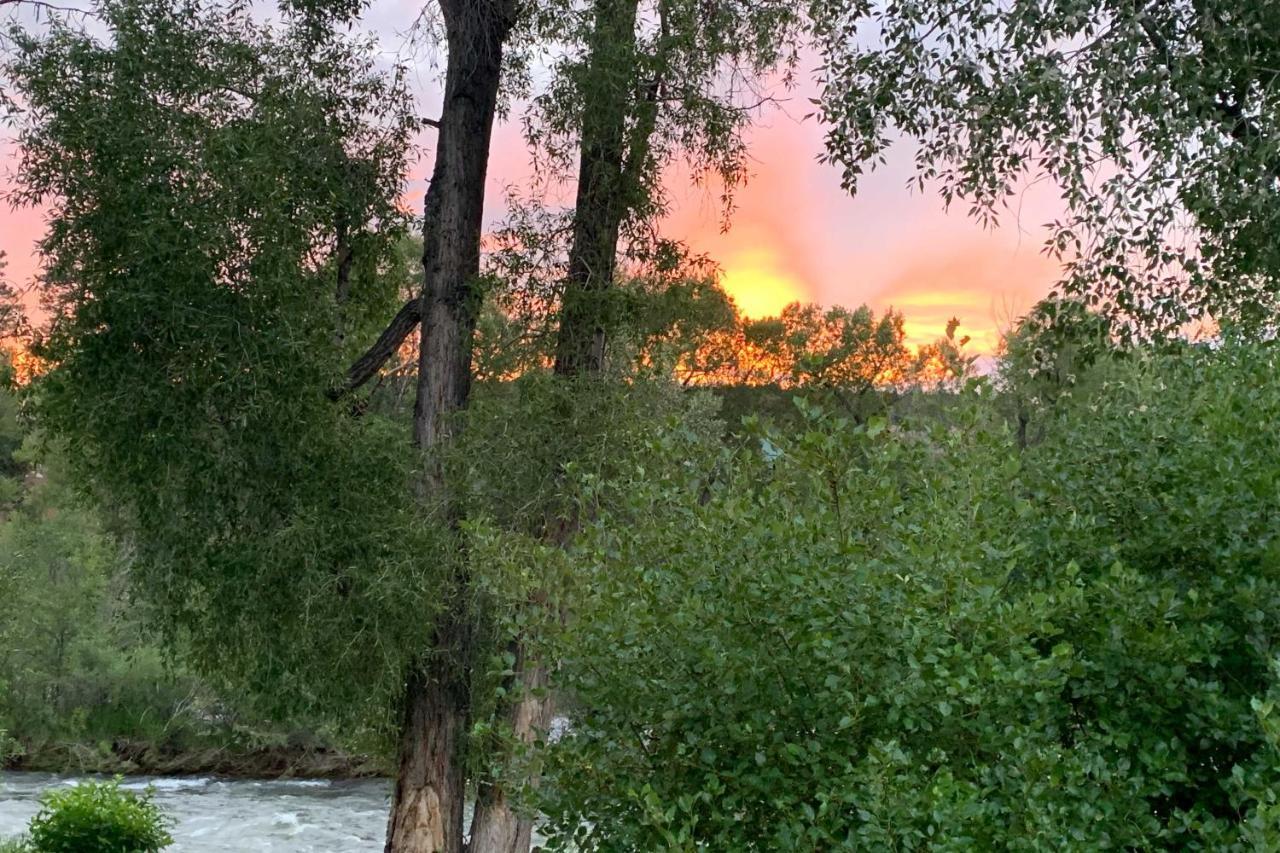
x=98 y=817
x=916 y=637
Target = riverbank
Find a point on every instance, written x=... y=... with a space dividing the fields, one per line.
x=128 y=757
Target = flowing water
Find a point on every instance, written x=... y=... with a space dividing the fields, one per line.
x=238 y=816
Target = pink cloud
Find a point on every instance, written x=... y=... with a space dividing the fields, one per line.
x=885 y=247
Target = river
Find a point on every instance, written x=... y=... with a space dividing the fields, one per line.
x=236 y=815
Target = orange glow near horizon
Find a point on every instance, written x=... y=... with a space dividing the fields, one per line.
x=760 y=287
x=794 y=233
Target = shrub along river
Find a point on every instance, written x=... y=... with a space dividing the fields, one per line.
x=245 y=816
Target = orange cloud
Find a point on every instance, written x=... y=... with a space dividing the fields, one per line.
x=985 y=287
x=885 y=247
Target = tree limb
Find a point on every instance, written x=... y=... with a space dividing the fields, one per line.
x=408 y=318
x=367 y=366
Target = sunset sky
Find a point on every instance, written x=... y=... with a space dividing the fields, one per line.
x=795 y=235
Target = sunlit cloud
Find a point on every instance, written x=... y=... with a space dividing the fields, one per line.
x=985 y=287
x=795 y=233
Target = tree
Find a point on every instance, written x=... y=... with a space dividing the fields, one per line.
x=13 y=319
x=656 y=82
x=1159 y=123
x=222 y=198
x=193 y=316
x=1048 y=355
x=854 y=359
x=944 y=364
x=273 y=262
x=427 y=811
x=642 y=85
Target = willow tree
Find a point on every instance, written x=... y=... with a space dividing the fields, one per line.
x=1158 y=122
x=223 y=205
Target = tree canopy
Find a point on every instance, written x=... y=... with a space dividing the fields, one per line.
x=1158 y=123
x=203 y=175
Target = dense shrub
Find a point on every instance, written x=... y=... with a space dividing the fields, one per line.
x=918 y=637
x=98 y=817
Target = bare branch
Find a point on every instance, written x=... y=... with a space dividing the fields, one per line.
x=46 y=6
x=367 y=366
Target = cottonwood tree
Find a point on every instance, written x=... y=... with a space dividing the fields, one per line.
x=640 y=87
x=222 y=196
x=427 y=812
x=1158 y=122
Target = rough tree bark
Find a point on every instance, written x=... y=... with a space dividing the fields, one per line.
x=497 y=826
x=602 y=199
x=617 y=122
x=427 y=806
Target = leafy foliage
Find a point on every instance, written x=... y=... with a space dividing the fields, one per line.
x=1049 y=356
x=99 y=817
x=204 y=175
x=805 y=346
x=535 y=454
x=1156 y=121
x=82 y=679
x=913 y=636
x=687 y=75
x=638 y=90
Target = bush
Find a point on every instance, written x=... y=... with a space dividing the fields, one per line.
x=98 y=817
x=917 y=637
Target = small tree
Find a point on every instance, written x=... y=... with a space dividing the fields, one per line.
x=1049 y=354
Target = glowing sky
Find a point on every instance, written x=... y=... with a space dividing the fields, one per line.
x=795 y=231
x=795 y=235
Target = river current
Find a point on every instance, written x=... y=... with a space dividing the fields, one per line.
x=236 y=815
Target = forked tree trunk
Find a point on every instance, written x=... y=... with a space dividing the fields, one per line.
x=427 y=807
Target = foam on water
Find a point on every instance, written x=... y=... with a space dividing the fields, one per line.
x=176 y=783
x=238 y=816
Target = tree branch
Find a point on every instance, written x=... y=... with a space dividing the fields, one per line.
x=367 y=366
x=408 y=318
x=42 y=4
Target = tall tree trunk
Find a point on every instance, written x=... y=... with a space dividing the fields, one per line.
x=430 y=790
x=609 y=164
x=602 y=200
x=498 y=827
x=427 y=807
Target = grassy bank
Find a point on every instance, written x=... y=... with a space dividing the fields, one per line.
x=130 y=757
